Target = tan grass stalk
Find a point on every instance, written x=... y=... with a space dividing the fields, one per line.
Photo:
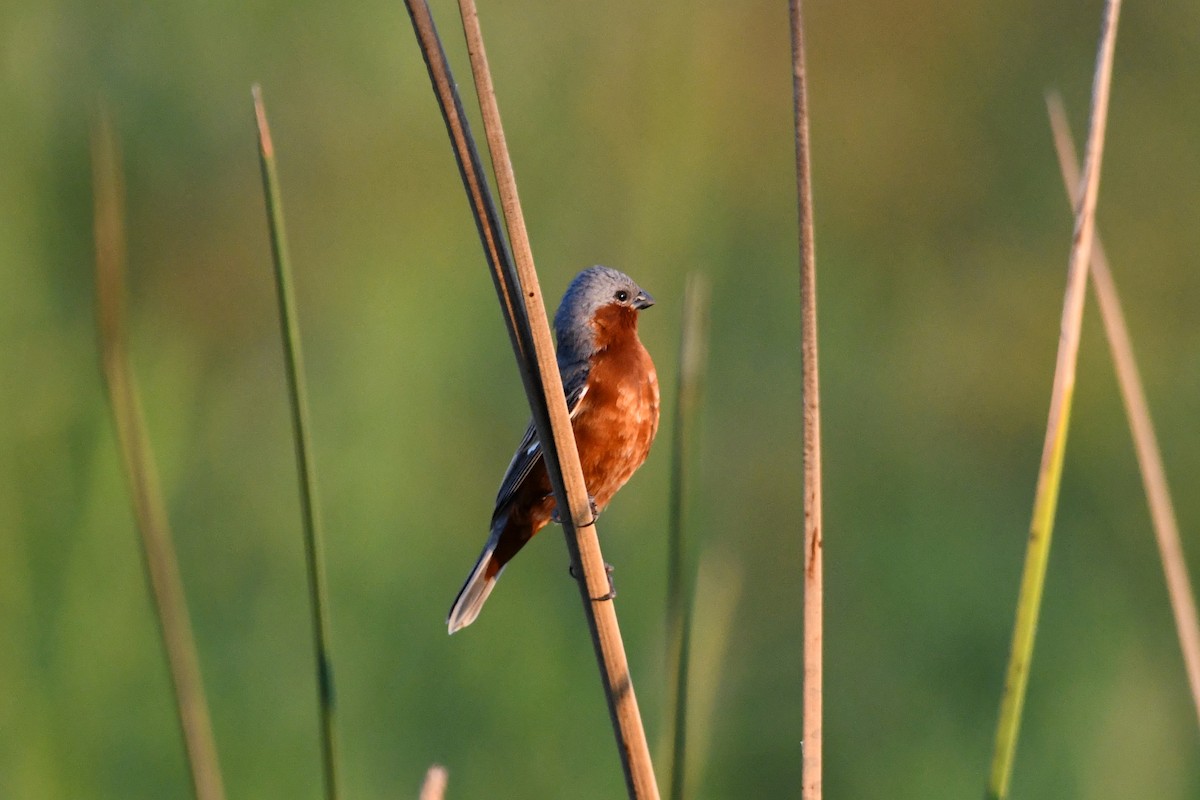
x=1145 y=441
x=532 y=345
x=162 y=567
x=1050 y=474
x=434 y=786
x=562 y=461
x=814 y=582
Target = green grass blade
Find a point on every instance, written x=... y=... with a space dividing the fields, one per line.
x=162 y=567
x=720 y=577
x=1037 y=552
x=692 y=355
x=294 y=361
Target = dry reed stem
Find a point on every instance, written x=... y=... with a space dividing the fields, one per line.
x=434 y=786
x=530 y=333
x=562 y=460
x=1154 y=478
x=1050 y=473
x=289 y=329
x=162 y=568
x=814 y=589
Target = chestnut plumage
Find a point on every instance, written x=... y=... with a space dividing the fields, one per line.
x=612 y=395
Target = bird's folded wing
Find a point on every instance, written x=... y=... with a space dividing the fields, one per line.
x=529 y=451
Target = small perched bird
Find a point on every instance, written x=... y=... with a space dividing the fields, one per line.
x=612 y=395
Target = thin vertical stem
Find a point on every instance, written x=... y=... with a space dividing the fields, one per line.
x=692 y=355
x=310 y=515
x=562 y=459
x=525 y=315
x=1141 y=426
x=162 y=567
x=1037 y=553
x=814 y=588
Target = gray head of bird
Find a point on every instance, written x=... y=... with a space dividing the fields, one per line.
x=594 y=290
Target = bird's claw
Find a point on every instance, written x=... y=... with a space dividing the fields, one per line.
x=612 y=588
x=557 y=520
x=608 y=573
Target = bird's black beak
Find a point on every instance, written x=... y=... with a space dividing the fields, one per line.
x=643 y=300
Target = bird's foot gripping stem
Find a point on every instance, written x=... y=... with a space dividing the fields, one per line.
x=608 y=573
x=557 y=520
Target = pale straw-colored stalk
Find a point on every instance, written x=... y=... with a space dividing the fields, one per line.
x=434 y=785
x=1141 y=426
x=814 y=533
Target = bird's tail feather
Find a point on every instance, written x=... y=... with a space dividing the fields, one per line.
x=475 y=591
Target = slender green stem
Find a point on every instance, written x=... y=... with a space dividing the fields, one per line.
x=314 y=557
x=162 y=567
x=1037 y=553
x=692 y=354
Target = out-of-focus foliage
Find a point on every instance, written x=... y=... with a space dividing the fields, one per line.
x=655 y=138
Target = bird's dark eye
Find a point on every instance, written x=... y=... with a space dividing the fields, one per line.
x=621 y=295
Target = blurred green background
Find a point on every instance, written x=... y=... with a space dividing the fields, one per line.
x=654 y=138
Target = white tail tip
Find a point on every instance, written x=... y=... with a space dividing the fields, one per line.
x=474 y=592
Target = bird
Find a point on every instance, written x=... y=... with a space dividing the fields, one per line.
x=612 y=395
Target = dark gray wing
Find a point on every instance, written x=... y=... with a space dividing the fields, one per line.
x=529 y=451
